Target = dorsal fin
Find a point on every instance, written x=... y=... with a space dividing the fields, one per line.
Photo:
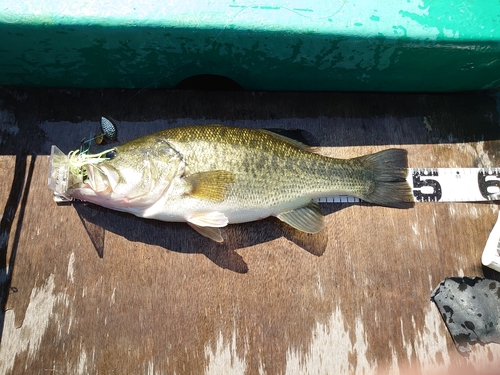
x=300 y=138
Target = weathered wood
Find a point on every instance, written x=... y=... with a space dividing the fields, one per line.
x=163 y=300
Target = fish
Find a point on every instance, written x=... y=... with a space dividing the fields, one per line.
x=210 y=176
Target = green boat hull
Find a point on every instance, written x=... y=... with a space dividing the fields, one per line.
x=363 y=45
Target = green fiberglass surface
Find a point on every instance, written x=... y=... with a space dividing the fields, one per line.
x=403 y=45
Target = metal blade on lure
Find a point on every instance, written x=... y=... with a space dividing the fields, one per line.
x=108 y=129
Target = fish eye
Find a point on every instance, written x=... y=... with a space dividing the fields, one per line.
x=111 y=154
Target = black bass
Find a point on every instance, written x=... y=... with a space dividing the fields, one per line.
x=212 y=175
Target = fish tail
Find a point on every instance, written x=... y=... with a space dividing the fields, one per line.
x=388 y=185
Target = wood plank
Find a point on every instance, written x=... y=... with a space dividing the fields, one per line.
x=162 y=299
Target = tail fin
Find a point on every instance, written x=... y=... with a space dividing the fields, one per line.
x=389 y=186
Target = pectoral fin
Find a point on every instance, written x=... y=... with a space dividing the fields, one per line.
x=308 y=218
x=209 y=232
x=210 y=185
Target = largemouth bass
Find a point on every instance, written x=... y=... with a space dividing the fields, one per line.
x=212 y=175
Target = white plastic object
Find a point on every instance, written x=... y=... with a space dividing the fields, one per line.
x=491 y=252
x=59 y=174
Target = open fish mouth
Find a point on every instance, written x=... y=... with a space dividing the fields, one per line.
x=89 y=171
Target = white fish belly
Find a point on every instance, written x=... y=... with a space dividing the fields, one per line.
x=181 y=209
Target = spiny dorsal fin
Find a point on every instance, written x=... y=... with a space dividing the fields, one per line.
x=211 y=185
x=308 y=218
x=298 y=137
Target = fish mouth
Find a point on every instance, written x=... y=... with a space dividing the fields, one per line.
x=90 y=172
x=102 y=179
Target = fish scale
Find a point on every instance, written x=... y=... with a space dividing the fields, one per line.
x=279 y=164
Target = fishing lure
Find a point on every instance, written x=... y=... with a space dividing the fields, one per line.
x=107 y=133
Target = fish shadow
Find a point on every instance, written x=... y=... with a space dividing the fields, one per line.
x=180 y=238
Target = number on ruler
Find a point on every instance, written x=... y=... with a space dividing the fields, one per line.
x=419 y=183
x=488 y=179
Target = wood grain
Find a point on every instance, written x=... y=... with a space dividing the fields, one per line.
x=157 y=298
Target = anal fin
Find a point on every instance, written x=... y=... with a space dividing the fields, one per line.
x=308 y=218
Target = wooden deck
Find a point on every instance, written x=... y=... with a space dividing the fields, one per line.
x=98 y=292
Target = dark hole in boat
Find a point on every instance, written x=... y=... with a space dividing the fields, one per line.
x=208 y=82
